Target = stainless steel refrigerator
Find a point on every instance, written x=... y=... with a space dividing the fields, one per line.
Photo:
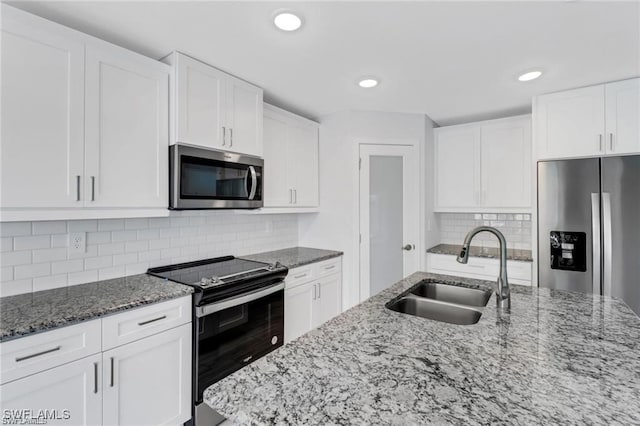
x=589 y=226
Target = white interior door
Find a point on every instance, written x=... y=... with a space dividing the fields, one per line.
x=388 y=216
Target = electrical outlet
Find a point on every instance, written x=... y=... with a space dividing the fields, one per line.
x=77 y=242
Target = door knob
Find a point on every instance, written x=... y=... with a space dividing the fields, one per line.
x=409 y=247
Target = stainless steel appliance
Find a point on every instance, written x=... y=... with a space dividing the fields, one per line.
x=589 y=226
x=203 y=178
x=238 y=317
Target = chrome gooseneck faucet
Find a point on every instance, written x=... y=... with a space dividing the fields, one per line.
x=503 y=293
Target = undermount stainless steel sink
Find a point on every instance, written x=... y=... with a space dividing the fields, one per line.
x=435 y=310
x=442 y=302
x=453 y=294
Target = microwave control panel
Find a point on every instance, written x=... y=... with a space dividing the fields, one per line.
x=568 y=250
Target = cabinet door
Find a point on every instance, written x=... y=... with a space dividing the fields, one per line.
x=623 y=117
x=243 y=117
x=329 y=301
x=302 y=155
x=126 y=129
x=571 y=123
x=298 y=310
x=200 y=99
x=457 y=167
x=42 y=113
x=506 y=163
x=148 y=382
x=277 y=190
x=72 y=391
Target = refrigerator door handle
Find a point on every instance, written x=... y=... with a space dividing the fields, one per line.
x=595 y=238
x=606 y=243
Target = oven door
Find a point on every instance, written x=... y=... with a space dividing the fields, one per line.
x=233 y=333
x=208 y=179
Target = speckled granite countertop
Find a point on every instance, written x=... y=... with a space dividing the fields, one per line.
x=559 y=358
x=295 y=256
x=29 y=313
x=488 y=252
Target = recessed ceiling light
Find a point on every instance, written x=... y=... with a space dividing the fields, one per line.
x=368 y=83
x=287 y=21
x=530 y=75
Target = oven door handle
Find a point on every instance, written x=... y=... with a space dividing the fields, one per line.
x=202 y=311
x=254 y=182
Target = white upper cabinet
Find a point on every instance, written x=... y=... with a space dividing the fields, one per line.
x=126 y=129
x=622 y=111
x=457 y=151
x=592 y=121
x=505 y=163
x=214 y=109
x=42 y=113
x=290 y=160
x=85 y=125
x=571 y=124
x=484 y=167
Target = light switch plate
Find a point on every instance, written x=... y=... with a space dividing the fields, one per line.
x=77 y=242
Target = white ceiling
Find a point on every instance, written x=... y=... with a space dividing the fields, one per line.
x=454 y=61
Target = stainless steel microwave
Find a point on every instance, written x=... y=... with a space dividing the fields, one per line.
x=202 y=178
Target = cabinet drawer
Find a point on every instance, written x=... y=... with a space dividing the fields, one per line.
x=132 y=325
x=32 y=354
x=328 y=267
x=300 y=275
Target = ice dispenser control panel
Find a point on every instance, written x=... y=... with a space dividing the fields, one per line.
x=568 y=251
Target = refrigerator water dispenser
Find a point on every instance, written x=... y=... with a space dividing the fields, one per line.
x=568 y=250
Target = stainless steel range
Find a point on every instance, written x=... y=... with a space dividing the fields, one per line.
x=238 y=317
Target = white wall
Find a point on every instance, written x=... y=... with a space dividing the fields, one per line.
x=337 y=224
x=34 y=255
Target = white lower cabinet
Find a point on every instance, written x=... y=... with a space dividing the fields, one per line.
x=518 y=272
x=312 y=296
x=72 y=393
x=147 y=382
x=143 y=382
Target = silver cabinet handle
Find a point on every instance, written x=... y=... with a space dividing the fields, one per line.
x=329 y=267
x=300 y=276
x=600 y=142
x=112 y=373
x=315 y=291
x=78 y=188
x=230 y=137
x=290 y=196
x=295 y=196
x=319 y=295
x=152 y=320
x=611 y=142
x=93 y=188
x=48 y=351
x=95 y=377
x=224 y=135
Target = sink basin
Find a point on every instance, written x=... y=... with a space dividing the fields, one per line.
x=453 y=294
x=436 y=310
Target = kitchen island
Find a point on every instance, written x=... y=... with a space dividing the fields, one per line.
x=558 y=358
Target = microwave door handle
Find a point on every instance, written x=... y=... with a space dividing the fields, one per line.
x=254 y=182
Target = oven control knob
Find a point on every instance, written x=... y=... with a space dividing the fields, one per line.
x=274 y=340
x=274 y=266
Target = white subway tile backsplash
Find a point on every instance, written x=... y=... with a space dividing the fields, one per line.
x=35 y=255
x=32 y=271
x=515 y=227
x=53 y=227
x=13 y=229
x=31 y=242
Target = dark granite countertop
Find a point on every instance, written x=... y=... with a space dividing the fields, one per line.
x=295 y=256
x=488 y=252
x=30 y=313
x=558 y=358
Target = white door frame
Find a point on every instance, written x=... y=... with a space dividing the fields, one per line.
x=411 y=208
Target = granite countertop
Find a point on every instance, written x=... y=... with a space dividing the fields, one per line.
x=295 y=256
x=488 y=252
x=558 y=358
x=29 y=313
